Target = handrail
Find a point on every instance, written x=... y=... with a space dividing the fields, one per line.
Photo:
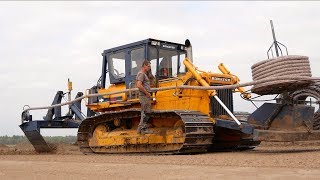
x=234 y=86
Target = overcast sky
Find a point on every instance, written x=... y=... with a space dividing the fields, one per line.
x=42 y=44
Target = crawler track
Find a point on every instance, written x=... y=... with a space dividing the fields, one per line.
x=197 y=128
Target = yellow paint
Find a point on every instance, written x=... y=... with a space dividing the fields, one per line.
x=69 y=85
x=169 y=130
x=185 y=99
x=101 y=136
x=198 y=77
x=178 y=99
x=114 y=88
x=174 y=99
x=224 y=70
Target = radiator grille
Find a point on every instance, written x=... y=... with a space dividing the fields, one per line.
x=226 y=97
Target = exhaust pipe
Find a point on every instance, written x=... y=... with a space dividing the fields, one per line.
x=189 y=50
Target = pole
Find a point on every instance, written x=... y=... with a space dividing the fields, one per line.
x=274 y=39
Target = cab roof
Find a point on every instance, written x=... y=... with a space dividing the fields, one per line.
x=146 y=41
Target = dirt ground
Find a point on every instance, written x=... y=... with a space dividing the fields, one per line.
x=299 y=160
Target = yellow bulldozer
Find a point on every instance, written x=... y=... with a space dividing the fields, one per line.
x=192 y=110
x=181 y=119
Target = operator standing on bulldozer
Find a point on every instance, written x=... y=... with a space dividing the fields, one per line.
x=143 y=84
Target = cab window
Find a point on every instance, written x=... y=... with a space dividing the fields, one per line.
x=181 y=67
x=170 y=63
x=153 y=56
x=137 y=58
x=117 y=65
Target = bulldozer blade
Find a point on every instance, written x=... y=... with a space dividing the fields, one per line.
x=284 y=122
x=32 y=132
x=230 y=136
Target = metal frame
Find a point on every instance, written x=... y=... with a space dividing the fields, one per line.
x=53 y=119
x=127 y=49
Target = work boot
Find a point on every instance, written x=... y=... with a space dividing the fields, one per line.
x=145 y=131
x=139 y=129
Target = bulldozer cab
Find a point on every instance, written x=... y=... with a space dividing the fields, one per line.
x=124 y=62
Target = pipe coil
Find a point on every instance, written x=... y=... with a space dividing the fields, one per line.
x=290 y=69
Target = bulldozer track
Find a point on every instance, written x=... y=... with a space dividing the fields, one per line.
x=198 y=133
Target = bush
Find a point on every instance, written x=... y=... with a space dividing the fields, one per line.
x=12 y=140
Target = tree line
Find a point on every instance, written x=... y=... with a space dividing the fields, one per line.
x=15 y=139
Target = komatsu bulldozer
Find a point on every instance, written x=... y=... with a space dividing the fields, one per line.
x=188 y=114
x=182 y=119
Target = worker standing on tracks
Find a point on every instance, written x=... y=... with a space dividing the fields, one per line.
x=143 y=84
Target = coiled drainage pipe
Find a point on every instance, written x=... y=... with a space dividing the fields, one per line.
x=290 y=69
x=295 y=74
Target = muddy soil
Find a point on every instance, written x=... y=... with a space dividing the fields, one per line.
x=299 y=160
